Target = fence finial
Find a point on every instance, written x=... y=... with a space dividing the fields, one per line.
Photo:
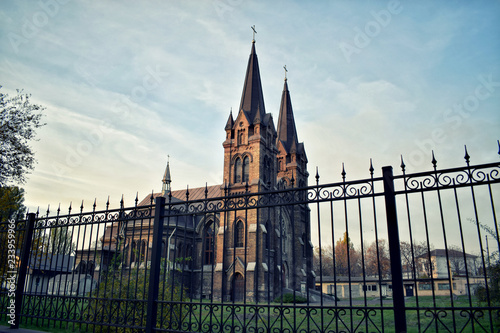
x=94 y=205
x=69 y=209
x=81 y=207
x=434 y=162
x=403 y=166
x=371 y=167
x=317 y=176
x=343 y=173
x=48 y=210
x=467 y=157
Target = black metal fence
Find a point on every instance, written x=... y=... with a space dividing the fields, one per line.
x=406 y=252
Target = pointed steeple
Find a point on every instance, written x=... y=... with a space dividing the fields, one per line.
x=252 y=98
x=166 y=179
x=230 y=121
x=287 y=132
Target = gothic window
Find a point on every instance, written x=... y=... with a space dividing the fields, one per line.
x=237 y=170
x=179 y=251
x=239 y=234
x=208 y=245
x=241 y=135
x=246 y=169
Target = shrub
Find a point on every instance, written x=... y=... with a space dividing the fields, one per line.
x=121 y=299
x=288 y=298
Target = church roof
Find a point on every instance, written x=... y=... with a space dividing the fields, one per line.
x=287 y=133
x=198 y=193
x=252 y=98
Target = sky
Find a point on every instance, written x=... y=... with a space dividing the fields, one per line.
x=127 y=83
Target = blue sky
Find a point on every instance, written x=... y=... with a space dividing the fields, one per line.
x=127 y=83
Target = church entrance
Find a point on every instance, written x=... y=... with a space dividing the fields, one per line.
x=238 y=287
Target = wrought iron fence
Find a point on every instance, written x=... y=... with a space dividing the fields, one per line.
x=407 y=252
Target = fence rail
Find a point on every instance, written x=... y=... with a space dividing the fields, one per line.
x=407 y=252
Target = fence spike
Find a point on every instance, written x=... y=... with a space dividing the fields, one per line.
x=81 y=208
x=95 y=204
x=58 y=209
x=246 y=186
x=343 y=173
x=107 y=203
x=371 y=167
x=122 y=203
x=498 y=142
x=467 y=156
x=434 y=162
x=48 y=210
x=69 y=209
x=136 y=198
x=152 y=197
x=206 y=190
x=187 y=192
x=317 y=176
x=403 y=166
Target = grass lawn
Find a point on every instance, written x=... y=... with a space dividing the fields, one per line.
x=204 y=316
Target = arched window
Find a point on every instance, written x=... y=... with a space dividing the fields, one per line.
x=241 y=135
x=239 y=234
x=179 y=250
x=246 y=169
x=237 y=170
x=208 y=245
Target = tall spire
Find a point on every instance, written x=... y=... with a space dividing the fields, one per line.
x=166 y=179
x=287 y=132
x=252 y=98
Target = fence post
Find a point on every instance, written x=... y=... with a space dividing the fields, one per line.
x=154 y=274
x=23 y=269
x=394 y=250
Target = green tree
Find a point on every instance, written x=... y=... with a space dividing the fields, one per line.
x=60 y=241
x=120 y=298
x=11 y=203
x=19 y=119
x=11 y=208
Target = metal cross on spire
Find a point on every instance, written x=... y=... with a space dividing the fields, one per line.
x=254 y=32
x=286 y=71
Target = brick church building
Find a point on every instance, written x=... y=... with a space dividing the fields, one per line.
x=258 y=253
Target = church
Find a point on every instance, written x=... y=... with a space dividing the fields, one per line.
x=255 y=254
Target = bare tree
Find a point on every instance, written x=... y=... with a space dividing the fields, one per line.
x=378 y=263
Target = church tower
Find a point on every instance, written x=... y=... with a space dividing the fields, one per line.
x=249 y=148
x=291 y=159
x=261 y=251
